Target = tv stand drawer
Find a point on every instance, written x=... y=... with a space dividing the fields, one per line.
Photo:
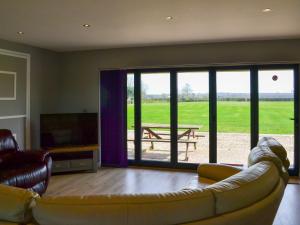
x=84 y=164
x=72 y=165
x=60 y=166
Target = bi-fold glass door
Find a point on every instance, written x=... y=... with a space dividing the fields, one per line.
x=233 y=116
x=183 y=117
x=193 y=117
x=277 y=107
x=155 y=117
x=130 y=117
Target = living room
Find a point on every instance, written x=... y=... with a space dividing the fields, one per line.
x=139 y=103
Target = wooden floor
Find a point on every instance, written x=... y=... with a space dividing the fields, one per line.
x=129 y=181
x=120 y=181
x=289 y=210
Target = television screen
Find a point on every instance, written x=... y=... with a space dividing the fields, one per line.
x=73 y=129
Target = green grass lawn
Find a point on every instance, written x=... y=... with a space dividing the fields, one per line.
x=274 y=117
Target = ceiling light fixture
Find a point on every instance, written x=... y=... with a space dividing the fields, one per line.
x=20 y=32
x=86 y=25
x=266 y=10
x=168 y=18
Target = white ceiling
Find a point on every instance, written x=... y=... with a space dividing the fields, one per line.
x=57 y=24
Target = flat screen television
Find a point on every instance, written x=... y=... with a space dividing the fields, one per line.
x=68 y=129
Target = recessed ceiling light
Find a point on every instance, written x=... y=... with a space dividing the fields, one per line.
x=266 y=10
x=169 y=18
x=86 y=25
x=20 y=32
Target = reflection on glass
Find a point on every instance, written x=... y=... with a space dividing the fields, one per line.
x=193 y=117
x=155 y=112
x=130 y=116
x=233 y=117
x=276 y=107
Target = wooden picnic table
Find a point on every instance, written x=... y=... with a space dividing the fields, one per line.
x=189 y=130
x=153 y=135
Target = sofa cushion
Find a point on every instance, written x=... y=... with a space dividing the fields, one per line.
x=264 y=153
x=146 y=209
x=276 y=148
x=16 y=204
x=286 y=163
x=245 y=188
x=274 y=145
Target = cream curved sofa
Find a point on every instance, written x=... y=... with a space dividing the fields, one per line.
x=229 y=196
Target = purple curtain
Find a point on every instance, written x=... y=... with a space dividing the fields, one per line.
x=113 y=88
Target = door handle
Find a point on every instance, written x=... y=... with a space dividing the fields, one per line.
x=292 y=118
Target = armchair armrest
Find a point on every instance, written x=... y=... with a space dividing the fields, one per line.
x=10 y=159
x=32 y=156
x=217 y=172
x=38 y=155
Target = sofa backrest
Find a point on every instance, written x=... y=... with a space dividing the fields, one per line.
x=151 y=209
x=7 y=141
x=262 y=212
x=232 y=194
x=16 y=204
x=245 y=188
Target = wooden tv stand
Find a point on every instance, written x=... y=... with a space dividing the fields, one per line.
x=79 y=158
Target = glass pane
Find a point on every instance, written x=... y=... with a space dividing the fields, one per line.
x=233 y=117
x=193 y=117
x=276 y=107
x=130 y=116
x=155 y=97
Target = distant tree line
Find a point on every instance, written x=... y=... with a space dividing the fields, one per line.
x=186 y=94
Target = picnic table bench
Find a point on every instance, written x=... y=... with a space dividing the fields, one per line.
x=185 y=141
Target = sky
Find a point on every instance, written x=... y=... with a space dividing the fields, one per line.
x=229 y=82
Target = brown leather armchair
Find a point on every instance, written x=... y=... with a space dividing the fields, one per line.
x=24 y=169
